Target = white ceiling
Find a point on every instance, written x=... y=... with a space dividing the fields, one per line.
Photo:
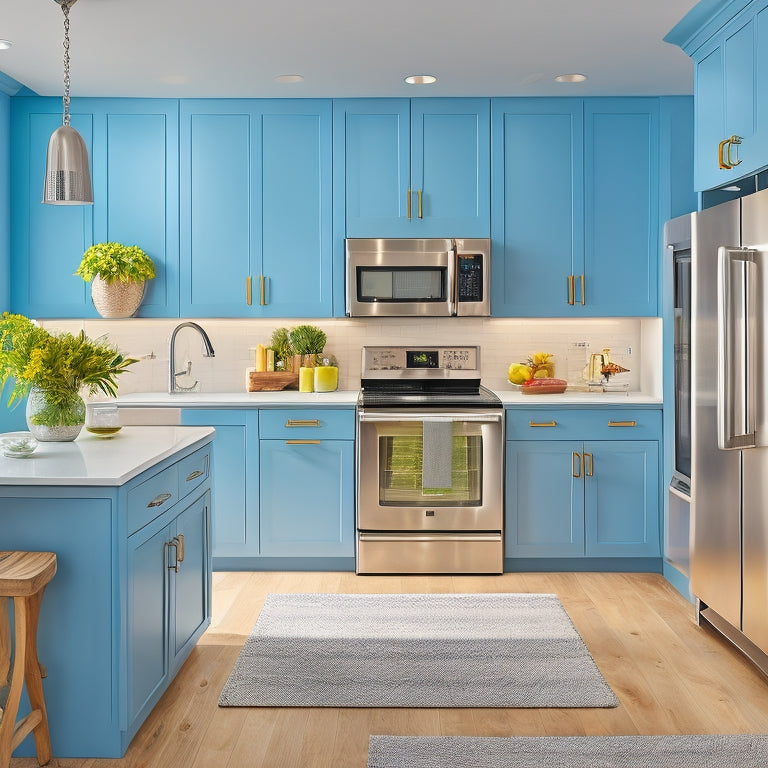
x=234 y=48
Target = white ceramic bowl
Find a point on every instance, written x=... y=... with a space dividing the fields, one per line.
x=17 y=445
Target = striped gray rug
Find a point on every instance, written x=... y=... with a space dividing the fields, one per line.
x=732 y=751
x=415 y=650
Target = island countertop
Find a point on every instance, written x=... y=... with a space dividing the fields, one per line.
x=97 y=461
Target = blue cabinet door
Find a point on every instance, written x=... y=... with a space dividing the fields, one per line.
x=256 y=234
x=218 y=173
x=372 y=166
x=621 y=487
x=450 y=168
x=621 y=233
x=307 y=498
x=235 y=480
x=416 y=168
x=538 y=205
x=190 y=593
x=544 y=513
x=133 y=150
x=47 y=241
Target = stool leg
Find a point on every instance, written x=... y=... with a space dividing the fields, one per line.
x=34 y=680
x=8 y=721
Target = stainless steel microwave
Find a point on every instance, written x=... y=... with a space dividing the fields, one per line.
x=418 y=277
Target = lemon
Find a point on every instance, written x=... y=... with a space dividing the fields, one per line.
x=542 y=373
x=518 y=373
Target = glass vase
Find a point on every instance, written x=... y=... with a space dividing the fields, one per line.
x=51 y=421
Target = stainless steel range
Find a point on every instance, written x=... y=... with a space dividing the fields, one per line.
x=429 y=463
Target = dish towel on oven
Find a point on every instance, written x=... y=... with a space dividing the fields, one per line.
x=436 y=453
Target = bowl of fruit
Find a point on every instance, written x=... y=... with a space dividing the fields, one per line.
x=535 y=376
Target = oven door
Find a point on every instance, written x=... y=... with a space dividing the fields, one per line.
x=393 y=482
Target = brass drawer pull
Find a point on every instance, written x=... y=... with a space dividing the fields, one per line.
x=418 y=195
x=302 y=423
x=552 y=423
x=587 y=457
x=303 y=442
x=159 y=500
x=408 y=203
x=180 y=550
x=571 y=289
x=194 y=474
x=261 y=289
x=622 y=423
x=248 y=291
x=583 y=297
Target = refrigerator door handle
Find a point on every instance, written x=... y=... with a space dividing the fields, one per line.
x=737 y=280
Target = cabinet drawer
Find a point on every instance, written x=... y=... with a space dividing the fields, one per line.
x=193 y=470
x=151 y=498
x=309 y=424
x=583 y=424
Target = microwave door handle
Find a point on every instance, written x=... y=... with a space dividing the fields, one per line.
x=453 y=281
x=736 y=307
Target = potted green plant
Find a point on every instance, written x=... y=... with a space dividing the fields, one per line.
x=118 y=273
x=52 y=369
x=307 y=341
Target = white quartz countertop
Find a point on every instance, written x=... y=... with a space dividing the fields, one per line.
x=596 y=399
x=338 y=399
x=97 y=461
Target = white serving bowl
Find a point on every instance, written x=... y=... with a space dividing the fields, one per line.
x=17 y=445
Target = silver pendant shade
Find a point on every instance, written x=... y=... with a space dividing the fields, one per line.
x=67 y=175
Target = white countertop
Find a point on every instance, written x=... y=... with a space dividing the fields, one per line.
x=97 y=461
x=628 y=399
x=338 y=399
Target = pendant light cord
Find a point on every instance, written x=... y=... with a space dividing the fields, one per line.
x=65 y=9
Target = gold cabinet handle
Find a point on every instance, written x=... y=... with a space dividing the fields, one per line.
x=622 y=423
x=262 y=280
x=302 y=423
x=248 y=291
x=408 y=203
x=574 y=458
x=571 y=289
x=583 y=297
x=418 y=196
x=731 y=162
x=552 y=423
x=193 y=475
x=159 y=500
x=720 y=159
x=180 y=550
x=587 y=457
x=303 y=442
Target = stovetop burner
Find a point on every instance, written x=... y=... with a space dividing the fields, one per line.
x=423 y=377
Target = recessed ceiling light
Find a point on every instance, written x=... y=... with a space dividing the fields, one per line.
x=288 y=78
x=5 y=44
x=420 y=79
x=574 y=78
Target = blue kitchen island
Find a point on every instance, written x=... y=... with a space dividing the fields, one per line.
x=129 y=519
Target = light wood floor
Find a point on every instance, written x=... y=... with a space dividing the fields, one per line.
x=669 y=675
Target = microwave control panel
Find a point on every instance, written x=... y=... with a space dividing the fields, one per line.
x=470 y=280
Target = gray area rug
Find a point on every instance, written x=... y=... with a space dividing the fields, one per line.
x=415 y=650
x=739 y=751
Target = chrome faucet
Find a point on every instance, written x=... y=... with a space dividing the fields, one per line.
x=173 y=386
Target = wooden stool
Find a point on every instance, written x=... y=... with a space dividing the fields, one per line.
x=23 y=576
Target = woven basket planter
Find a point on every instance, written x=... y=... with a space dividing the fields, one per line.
x=117 y=299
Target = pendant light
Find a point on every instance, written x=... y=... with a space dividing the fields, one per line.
x=67 y=177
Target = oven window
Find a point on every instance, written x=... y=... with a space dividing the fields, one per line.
x=403 y=284
x=400 y=472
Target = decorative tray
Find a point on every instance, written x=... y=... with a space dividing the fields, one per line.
x=544 y=387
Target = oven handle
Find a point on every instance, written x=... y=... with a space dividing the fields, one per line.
x=424 y=415
x=430 y=536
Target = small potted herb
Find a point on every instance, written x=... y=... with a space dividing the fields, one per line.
x=118 y=272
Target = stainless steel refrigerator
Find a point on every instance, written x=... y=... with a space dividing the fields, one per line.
x=729 y=430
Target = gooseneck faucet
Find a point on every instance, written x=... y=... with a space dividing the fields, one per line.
x=173 y=386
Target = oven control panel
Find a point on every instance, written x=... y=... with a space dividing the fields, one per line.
x=441 y=361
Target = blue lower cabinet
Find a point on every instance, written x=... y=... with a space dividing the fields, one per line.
x=583 y=498
x=307 y=498
x=235 y=479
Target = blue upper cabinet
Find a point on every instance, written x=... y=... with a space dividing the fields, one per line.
x=575 y=207
x=538 y=205
x=412 y=168
x=133 y=149
x=621 y=233
x=728 y=42
x=256 y=200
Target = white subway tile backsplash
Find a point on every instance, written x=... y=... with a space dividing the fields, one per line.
x=503 y=341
